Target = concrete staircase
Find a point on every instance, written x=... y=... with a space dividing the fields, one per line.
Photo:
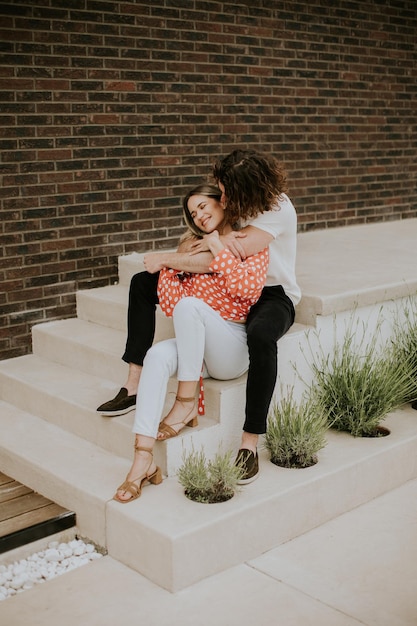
x=53 y=440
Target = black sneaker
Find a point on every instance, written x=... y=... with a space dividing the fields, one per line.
x=250 y=464
x=120 y=405
x=414 y=405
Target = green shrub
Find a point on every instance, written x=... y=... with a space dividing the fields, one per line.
x=208 y=481
x=404 y=346
x=295 y=433
x=359 y=382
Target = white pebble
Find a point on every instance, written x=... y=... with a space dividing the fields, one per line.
x=65 y=552
x=42 y=566
x=20 y=567
x=52 y=555
x=18 y=582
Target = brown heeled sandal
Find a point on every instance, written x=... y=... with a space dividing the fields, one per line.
x=168 y=431
x=134 y=487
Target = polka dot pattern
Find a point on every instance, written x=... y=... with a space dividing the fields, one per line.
x=231 y=289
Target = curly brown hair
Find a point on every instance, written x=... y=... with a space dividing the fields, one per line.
x=253 y=182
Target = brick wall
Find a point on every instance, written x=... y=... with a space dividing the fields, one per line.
x=111 y=110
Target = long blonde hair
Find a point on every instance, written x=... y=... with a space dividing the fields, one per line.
x=205 y=189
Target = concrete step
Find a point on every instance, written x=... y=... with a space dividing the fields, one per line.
x=83 y=361
x=67 y=398
x=128 y=265
x=97 y=350
x=107 y=306
x=104 y=305
x=61 y=466
x=83 y=346
x=170 y=539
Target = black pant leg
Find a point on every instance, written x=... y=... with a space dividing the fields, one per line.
x=143 y=299
x=268 y=320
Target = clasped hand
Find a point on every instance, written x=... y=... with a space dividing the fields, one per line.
x=153 y=262
x=229 y=241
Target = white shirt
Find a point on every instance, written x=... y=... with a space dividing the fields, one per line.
x=281 y=223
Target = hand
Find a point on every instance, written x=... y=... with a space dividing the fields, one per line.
x=229 y=241
x=199 y=246
x=153 y=262
x=210 y=242
x=232 y=243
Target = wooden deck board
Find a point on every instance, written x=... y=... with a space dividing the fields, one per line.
x=31 y=518
x=23 y=504
x=12 y=490
x=27 y=516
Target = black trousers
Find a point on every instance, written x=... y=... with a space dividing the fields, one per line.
x=268 y=320
x=143 y=299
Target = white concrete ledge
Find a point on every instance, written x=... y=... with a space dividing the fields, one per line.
x=355 y=266
x=178 y=542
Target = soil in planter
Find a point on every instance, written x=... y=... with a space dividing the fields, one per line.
x=295 y=463
x=205 y=498
x=379 y=431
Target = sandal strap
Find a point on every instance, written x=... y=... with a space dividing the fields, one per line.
x=181 y=399
x=142 y=449
x=131 y=487
x=166 y=428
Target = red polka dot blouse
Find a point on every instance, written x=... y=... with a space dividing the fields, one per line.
x=231 y=289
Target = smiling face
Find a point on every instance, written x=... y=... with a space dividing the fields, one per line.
x=206 y=212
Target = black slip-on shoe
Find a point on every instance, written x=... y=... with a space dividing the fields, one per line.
x=247 y=460
x=414 y=405
x=121 y=404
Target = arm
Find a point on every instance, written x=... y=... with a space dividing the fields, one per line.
x=196 y=257
x=242 y=243
x=180 y=260
x=255 y=240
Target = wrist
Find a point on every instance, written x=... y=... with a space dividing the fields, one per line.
x=216 y=248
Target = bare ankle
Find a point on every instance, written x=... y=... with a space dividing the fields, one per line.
x=249 y=441
x=133 y=378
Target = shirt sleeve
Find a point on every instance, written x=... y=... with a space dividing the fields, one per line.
x=244 y=279
x=172 y=286
x=276 y=221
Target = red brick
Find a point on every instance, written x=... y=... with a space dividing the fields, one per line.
x=108 y=116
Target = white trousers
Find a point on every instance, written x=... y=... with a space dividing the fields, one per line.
x=202 y=338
